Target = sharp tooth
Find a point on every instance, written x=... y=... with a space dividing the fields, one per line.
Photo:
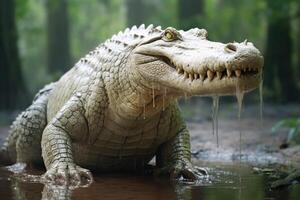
x=178 y=70
x=195 y=76
x=238 y=72
x=186 y=74
x=191 y=77
x=210 y=74
x=226 y=65
x=219 y=75
x=202 y=77
x=245 y=69
x=228 y=72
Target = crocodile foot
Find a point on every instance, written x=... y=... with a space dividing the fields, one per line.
x=68 y=174
x=183 y=171
x=293 y=178
x=186 y=171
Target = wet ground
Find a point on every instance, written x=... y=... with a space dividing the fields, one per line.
x=237 y=170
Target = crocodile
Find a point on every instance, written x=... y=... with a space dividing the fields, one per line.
x=117 y=109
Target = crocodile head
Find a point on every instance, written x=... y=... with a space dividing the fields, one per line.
x=185 y=62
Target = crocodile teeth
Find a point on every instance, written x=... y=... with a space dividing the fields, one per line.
x=191 y=77
x=195 y=76
x=238 y=73
x=202 y=77
x=219 y=75
x=228 y=73
x=186 y=74
x=210 y=74
x=179 y=70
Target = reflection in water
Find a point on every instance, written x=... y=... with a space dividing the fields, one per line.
x=61 y=192
x=225 y=186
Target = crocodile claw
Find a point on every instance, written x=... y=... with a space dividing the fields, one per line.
x=186 y=171
x=183 y=171
x=68 y=174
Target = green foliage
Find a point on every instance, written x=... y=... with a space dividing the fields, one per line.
x=32 y=43
x=93 y=22
x=236 y=20
x=293 y=124
x=163 y=13
x=90 y=23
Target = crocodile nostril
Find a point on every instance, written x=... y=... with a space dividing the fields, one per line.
x=230 y=48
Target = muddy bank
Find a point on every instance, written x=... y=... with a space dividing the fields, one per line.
x=258 y=147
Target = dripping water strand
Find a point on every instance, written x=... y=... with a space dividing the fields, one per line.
x=144 y=109
x=141 y=99
x=216 y=119
x=164 y=96
x=215 y=115
x=185 y=97
x=240 y=96
x=153 y=96
x=261 y=99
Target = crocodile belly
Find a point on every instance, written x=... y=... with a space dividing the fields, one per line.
x=112 y=152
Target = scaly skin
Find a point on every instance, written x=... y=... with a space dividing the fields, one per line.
x=116 y=108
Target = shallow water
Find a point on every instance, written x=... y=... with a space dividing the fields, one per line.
x=225 y=184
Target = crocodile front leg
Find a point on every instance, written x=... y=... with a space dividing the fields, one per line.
x=57 y=146
x=174 y=157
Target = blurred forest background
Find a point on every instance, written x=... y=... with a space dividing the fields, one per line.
x=41 y=39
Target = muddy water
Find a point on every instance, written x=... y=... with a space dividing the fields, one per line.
x=226 y=183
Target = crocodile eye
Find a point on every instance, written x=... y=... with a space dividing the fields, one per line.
x=169 y=36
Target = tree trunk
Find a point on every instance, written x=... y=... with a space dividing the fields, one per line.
x=59 y=58
x=189 y=13
x=12 y=89
x=136 y=12
x=279 y=73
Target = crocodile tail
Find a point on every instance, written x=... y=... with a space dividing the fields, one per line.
x=8 y=152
